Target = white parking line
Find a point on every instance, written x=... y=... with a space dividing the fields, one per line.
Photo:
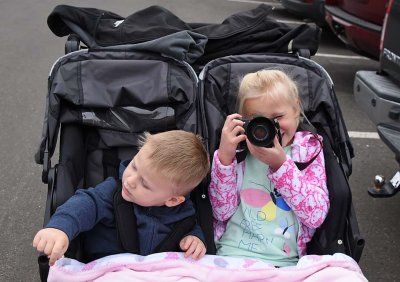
x=341 y=56
x=363 y=135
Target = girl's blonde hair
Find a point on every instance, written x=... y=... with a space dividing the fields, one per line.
x=179 y=156
x=268 y=83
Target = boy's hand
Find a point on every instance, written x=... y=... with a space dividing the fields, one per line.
x=192 y=246
x=231 y=135
x=53 y=242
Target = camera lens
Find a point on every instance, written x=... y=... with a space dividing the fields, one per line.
x=260 y=132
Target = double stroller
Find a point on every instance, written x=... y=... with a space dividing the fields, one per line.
x=153 y=72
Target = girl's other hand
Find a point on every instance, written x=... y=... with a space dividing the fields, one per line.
x=274 y=157
x=231 y=135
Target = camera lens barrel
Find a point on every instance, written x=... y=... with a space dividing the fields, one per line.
x=260 y=131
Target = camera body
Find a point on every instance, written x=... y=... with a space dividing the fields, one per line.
x=261 y=131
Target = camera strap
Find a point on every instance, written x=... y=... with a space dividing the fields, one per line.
x=308 y=127
x=242 y=153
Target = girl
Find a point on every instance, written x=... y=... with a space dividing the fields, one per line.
x=265 y=207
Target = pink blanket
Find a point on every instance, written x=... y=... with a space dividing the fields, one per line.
x=174 y=267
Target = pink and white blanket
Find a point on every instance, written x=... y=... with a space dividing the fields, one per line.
x=173 y=266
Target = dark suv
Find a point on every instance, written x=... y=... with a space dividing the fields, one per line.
x=378 y=94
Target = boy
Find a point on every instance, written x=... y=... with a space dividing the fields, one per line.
x=166 y=169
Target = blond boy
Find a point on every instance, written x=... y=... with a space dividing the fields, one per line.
x=157 y=181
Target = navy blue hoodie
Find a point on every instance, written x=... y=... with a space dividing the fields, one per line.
x=92 y=210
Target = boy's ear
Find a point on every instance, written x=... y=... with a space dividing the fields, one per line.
x=174 y=201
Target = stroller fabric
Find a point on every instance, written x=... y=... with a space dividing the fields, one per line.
x=251 y=31
x=109 y=90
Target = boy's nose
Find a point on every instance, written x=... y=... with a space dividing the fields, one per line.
x=131 y=181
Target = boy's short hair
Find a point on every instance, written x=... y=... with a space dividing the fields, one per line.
x=179 y=156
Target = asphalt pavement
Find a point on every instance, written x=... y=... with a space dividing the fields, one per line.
x=27 y=52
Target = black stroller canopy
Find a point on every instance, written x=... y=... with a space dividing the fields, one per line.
x=252 y=31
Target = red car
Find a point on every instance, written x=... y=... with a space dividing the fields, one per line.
x=358 y=23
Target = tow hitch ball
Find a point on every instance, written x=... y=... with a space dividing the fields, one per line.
x=383 y=188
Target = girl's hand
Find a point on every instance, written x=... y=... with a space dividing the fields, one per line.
x=232 y=134
x=274 y=157
x=193 y=246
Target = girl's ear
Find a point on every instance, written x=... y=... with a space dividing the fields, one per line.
x=174 y=201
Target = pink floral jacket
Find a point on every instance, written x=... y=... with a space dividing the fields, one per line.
x=304 y=191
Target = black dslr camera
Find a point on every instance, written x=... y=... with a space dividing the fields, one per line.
x=261 y=131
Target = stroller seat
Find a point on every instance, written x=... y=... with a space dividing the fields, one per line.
x=220 y=80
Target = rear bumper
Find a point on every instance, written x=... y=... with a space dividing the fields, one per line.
x=315 y=10
x=361 y=35
x=379 y=97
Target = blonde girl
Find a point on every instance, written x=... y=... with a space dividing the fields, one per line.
x=265 y=207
